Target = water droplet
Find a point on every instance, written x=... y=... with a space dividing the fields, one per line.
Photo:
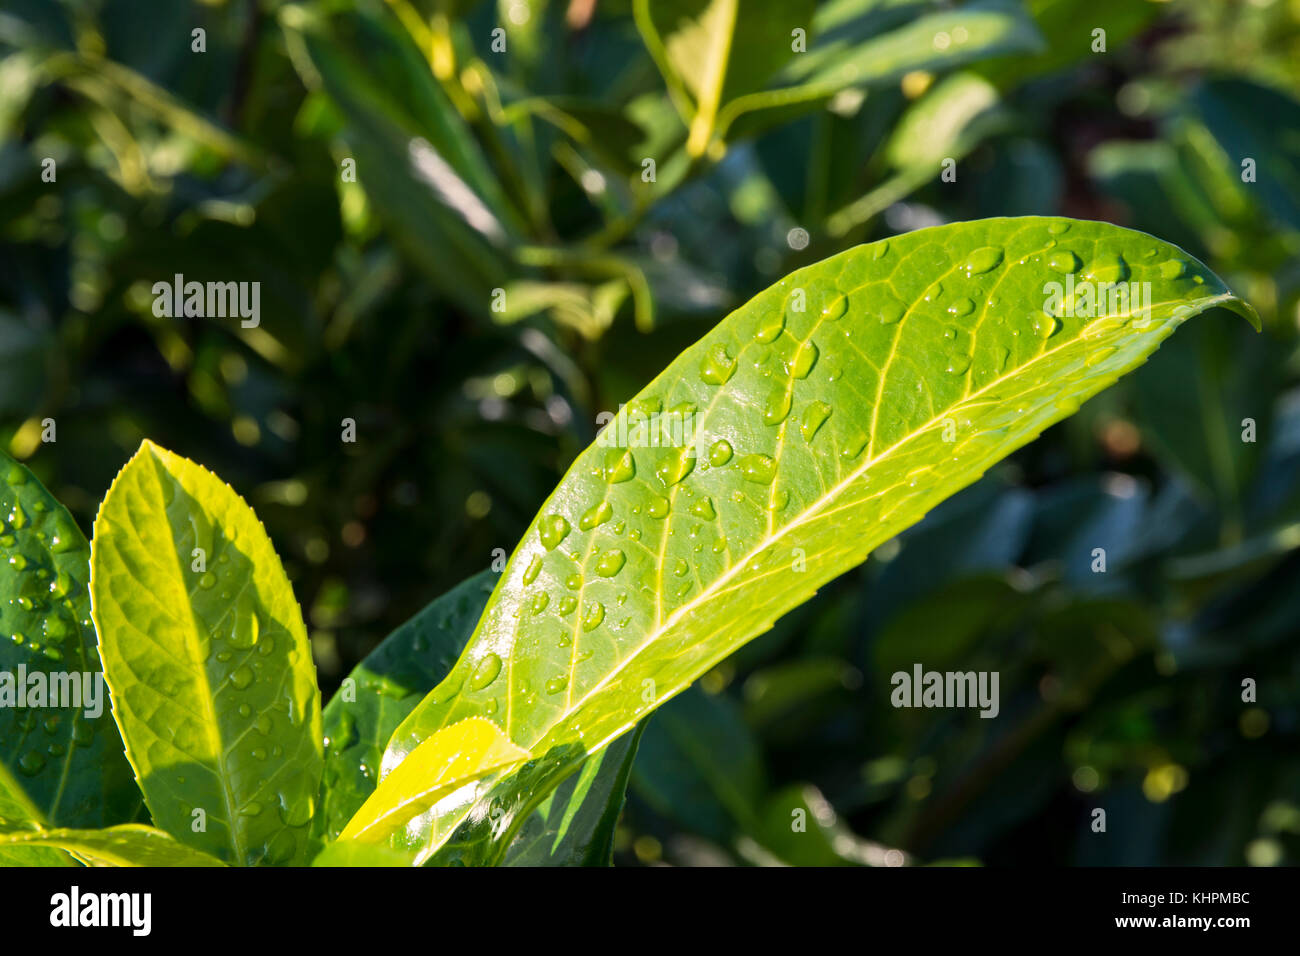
x=65 y=536
x=31 y=763
x=56 y=628
x=619 y=466
x=770 y=327
x=241 y=677
x=720 y=453
x=610 y=563
x=296 y=813
x=814 y=416
x=961 y=307
x=890 y=311
x=855 y=446
x=596 y=516
x=552 y=529
x=539 y=602
x=1173 y=269
x=556 y=684
x=804 y=360
x=1058 y=227
x=485 y=672
x=778 y=406
x=567 y=605
x=16 y=475
x=760 y=469
x=880 y=249
x=676 y=466
x=704 y=509
x=718 y=366
x=534 y=568
x=1108 y=267
x=1045 y=326
x=1064 y=262
x=207 y=581
x=835 y=308
x=957 y=364
x=595 y=614
x=658 y=506
x=982 y=260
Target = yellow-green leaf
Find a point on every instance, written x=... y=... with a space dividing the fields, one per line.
x=814 y=423
x=207 y=662
x=452 y=759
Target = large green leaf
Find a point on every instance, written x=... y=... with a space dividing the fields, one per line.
x=385 y=687
x=207 y=660
x=830 y=412
x=129 y=845
x=65 y=764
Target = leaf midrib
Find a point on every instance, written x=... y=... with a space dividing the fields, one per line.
x=208 y=699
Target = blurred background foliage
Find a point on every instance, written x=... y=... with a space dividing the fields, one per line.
x=525 y=170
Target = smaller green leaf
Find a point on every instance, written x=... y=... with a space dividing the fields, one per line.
x=385 y=687
x=455 y=756
x=131 y=844
x=207 y=660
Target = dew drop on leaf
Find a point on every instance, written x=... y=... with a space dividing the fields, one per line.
x=596 y=516
x=485 y=672
x=1064 y=262
x=760 y=469
x=552 y=529
x=718 y=366
x=814 y=416
x=610 y=563
x=770 y=327
x=594 y=615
